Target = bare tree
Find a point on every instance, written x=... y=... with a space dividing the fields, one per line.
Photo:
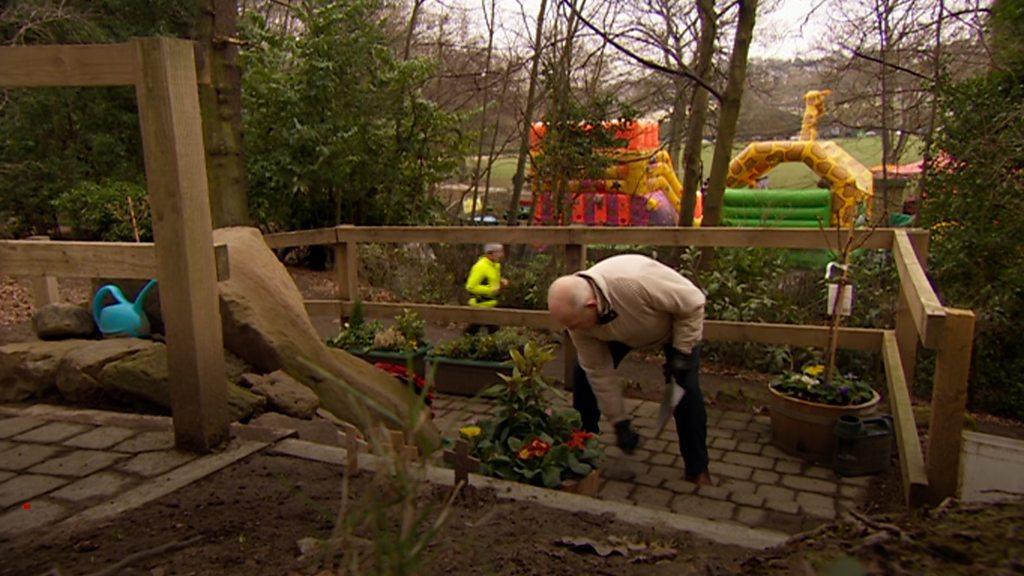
x=524 y=142
x=698 y=111
x=729 y=114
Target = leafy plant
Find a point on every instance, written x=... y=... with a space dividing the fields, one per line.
x=809 y=384
x=488 y=347
x=110 y=210
x=527 y=441
x=406 y=335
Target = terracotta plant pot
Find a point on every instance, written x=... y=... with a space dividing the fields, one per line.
x=586 y=486
x=465 y=377
x=807 y=429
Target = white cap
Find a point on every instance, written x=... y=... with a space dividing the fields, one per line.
x=493 y=247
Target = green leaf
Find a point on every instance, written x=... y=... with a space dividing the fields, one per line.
x=552 y=477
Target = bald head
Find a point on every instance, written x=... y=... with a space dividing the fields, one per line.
x=572 y=303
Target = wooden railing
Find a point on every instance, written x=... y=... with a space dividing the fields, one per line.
x=921 y=319
x=163 y=73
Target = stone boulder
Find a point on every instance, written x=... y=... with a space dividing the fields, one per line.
x=283 y=393
x=265 y=323
x=63 y=321
x=29 y=369
x=79 y=370
x=144 y=376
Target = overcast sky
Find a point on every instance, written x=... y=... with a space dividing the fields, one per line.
x=777 y=35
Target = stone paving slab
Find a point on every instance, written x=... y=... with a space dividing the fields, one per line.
x=758 y=485
x=96 y=463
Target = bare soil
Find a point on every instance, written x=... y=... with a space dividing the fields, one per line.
x=249 y=517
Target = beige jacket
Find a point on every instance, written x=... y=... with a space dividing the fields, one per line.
x=653 y=304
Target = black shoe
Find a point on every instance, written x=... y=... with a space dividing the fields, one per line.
x=626 y=437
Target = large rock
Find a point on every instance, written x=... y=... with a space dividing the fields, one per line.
x=265 y=323
x=283 y=393
x=29 y=369
x=144 y=376
x=63 y=321
x=79 y=370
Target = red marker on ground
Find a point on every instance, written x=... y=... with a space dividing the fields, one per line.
x=27 y=505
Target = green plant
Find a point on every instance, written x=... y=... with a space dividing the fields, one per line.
x=110 y=210
x=487 y=347
x=406 y=334
x=387 y=528
x=527 y=441
x=809 y=384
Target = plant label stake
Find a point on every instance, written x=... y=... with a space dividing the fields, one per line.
x=845 y=302
x=353 y=446
x=461 y=461
x=403 y=450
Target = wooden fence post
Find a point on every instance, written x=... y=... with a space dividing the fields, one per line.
x=172 y=141
x=346 y=270
x=44 y=288
x=949 y=402
x=907 y=338
x=575 y=260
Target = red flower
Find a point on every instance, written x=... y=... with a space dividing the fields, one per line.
x=537 y=448
x=579 y=438
x=402 y=373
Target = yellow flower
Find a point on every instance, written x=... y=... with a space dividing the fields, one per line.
x=815 y=370
x=470 y=431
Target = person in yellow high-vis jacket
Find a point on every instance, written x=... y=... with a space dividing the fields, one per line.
x=485 y=282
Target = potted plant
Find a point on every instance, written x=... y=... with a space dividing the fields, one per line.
x=473 y=362
x=528 y=441
x=805 y=406
x=401 y=344
x=804 y=409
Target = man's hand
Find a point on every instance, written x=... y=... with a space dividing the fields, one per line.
x=677 y=363
x=626 y=437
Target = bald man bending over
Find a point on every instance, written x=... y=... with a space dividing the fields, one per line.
x=626 y=302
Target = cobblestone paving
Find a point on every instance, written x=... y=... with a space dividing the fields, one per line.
x=51 y=470
x=758 y=485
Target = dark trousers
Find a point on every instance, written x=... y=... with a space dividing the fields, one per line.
x=478 y=328
x=690 y=416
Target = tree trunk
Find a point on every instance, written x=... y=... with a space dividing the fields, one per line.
x=692 y=172
x=410 y=31
x=221 y=108
x=483 y=111
x=730 y=112
x=524 y=143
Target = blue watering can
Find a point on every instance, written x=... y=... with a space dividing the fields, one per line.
x=125 y=318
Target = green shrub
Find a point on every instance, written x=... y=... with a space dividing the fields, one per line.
x=104 y=210
x=973 y=206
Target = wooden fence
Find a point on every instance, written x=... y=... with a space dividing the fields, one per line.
x=163 y=72
x=921 y=319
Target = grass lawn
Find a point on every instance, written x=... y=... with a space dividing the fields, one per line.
x=791 y=175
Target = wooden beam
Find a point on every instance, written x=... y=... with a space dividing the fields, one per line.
x=949 y=403
x=172 y=140
x=346 y=270
x=719 y=330
x=924 y=306
x=912 y=469
x=69 y=65
x=906 y=336
x=438 y=312
x=791 y=335
x=44 y=288
x=315 y=237
x=89 y=259
x=880 y=238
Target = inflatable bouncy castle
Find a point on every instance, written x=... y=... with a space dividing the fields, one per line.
x=850 y=183
x=640 y=188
